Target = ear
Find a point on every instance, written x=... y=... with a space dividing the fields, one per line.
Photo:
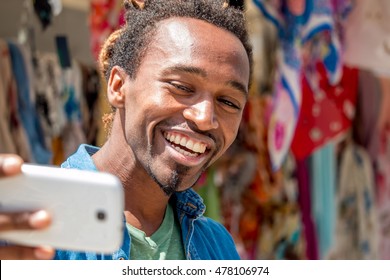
x=116 y=87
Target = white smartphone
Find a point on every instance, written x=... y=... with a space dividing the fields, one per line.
x=86 y=208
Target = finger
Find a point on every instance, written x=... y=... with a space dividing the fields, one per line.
x=24 y=220
x=26 y=253
x=10 y=165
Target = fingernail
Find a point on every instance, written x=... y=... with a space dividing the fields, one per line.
x=39 y=219
x=10 y=164
x=44 y=253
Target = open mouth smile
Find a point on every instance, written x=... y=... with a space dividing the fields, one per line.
x=184 y=145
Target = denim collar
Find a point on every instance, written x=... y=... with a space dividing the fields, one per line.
x=190 y=202
x=82 y=158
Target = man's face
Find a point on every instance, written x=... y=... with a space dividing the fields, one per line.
x=184 y=108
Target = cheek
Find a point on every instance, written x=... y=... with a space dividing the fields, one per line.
x=230 y=128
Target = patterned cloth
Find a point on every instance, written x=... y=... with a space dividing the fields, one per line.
x=357 y=224
x=299 y=23
x=327 y=111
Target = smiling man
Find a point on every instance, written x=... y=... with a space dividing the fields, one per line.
x=178 y=75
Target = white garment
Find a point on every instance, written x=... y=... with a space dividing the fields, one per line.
x=357 y=224
x=367 y=36
x=49 y=82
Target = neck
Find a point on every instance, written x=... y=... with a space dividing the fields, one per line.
x=145 y=202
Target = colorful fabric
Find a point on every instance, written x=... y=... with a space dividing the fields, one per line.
x=327 y=111
x=105 y=17
x=373 y=133
x=298 y=23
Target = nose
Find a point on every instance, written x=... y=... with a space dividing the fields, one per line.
x=202 y=114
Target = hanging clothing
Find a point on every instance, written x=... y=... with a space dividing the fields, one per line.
x=299 y=23
x=327 y=111
x=91 y=115
x=105 y=17
x=43 y=10
x=14 y=137
x=356 y=235
x=6 y=85
x=28 y=114
x=73 y=99
x=382 y=164
x=48 y=86
x=305 y=204
x=369 y=102
x=367 y=36
x=323 y=183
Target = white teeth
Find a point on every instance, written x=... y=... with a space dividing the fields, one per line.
x=183 y=142
x=188 y=154
x=199 y=148
x=196 y=147
x=177 y=139
x=190 y=145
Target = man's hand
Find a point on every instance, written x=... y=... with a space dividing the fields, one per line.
x=10 y=165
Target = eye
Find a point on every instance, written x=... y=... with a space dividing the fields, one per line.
x=181 y=87
x=231 y=105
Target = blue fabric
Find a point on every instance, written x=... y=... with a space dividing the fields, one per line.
x=27 y=112
x=204 y=239
x=323 y=164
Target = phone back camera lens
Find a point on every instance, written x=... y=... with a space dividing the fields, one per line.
x=101 y=215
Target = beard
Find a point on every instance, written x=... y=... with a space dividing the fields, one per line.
x=171 y=185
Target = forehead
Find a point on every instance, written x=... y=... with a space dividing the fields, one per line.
x=188 y=40
x=189 y=33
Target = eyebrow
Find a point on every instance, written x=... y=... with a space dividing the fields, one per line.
x=186 y=69
x=240 y=87
x=198 y=71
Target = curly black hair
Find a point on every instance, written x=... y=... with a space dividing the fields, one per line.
x=127 y=47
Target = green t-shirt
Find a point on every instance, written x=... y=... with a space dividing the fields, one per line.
x=165 y=244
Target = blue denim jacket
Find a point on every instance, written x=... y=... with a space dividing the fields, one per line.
x=204 y=239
